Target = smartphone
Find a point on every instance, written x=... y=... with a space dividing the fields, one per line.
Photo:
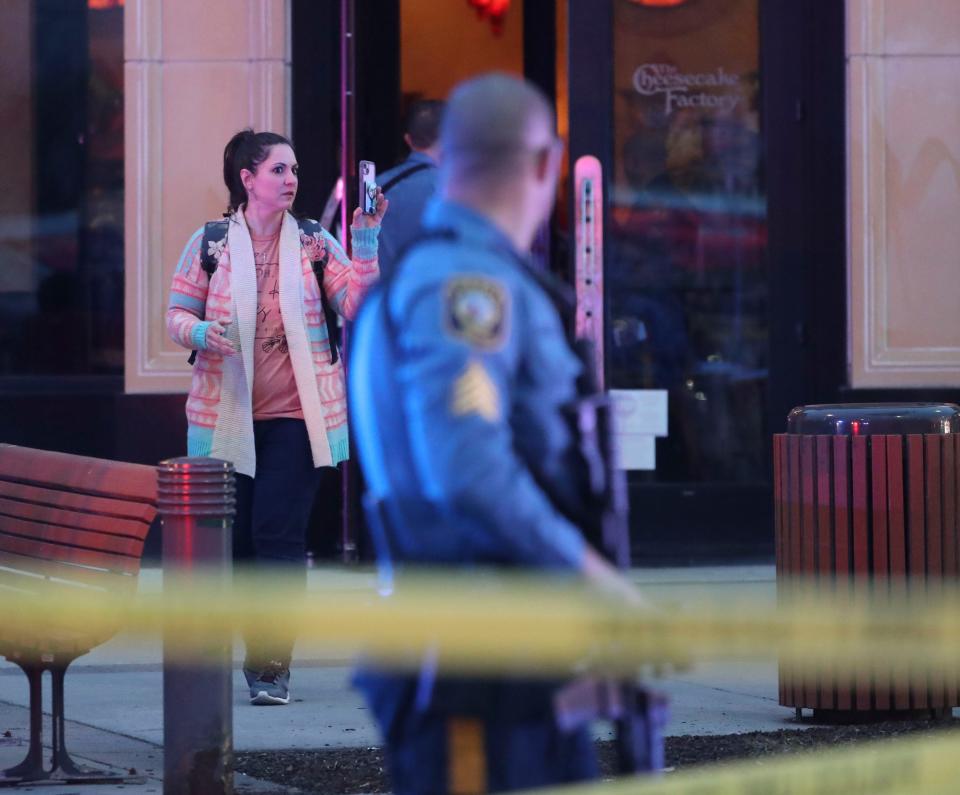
x=368 y=187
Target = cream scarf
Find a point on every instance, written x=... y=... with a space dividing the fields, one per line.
x=233 y=434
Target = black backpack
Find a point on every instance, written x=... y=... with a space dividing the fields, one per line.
x=215 y=235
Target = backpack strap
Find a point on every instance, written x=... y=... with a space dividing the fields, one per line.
x=394 y=181
x=311 y=228
x=211 y=247
x=212 y=243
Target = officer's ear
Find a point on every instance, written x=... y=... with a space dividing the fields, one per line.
x=547 y=160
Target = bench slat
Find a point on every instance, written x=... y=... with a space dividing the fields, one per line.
x=119 y=536
x=56 y=641
x=49 y=552
x=69 y=500
x=53 y=635
x=96 y=578
x=21 y=582
x=70 y=538
x=78 y=473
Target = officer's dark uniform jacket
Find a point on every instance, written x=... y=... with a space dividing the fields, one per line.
x=456 y=403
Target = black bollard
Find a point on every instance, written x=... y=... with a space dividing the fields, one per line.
x=196 y=501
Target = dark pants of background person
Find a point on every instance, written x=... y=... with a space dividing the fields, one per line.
x=453 y=755
x=273 y=510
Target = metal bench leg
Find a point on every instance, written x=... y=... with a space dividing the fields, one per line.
x=60 y=759
x=31 y=768
x=63 y=768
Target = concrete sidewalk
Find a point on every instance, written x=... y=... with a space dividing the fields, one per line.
x=114 y=694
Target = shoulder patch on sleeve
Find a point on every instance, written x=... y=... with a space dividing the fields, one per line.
x=476 y=310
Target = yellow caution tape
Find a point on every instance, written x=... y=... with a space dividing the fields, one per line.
x=492 y=622
x=484 y=622
x=916 y=766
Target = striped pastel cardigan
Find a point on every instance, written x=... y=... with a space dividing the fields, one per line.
x=219 y=404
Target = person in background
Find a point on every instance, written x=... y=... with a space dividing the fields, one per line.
x=459 y=376
x=413 y=182
x=268 y=390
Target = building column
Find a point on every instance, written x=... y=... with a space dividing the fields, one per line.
x=903 y=96
x=195 y=73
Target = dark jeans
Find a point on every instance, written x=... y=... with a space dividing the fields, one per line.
x=515 y=755
x=273 y=511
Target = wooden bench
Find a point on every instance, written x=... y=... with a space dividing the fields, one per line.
x=66 y=522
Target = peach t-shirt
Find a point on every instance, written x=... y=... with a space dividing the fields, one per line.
x=274 y=386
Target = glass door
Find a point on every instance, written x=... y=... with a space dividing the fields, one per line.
x=687 y=287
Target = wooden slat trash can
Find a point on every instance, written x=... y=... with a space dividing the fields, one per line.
x=868 y=493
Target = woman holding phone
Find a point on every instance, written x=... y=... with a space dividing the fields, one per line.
x=268 y=393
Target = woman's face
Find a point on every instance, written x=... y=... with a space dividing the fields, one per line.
x=273 y=186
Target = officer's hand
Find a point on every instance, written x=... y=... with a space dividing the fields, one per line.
x=216 y=340
x=610 y=582
x=363 y=221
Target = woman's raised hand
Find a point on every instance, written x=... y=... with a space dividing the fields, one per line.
x=364 y=221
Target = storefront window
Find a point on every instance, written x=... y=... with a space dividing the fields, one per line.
x=61 y=209
x=687 y=284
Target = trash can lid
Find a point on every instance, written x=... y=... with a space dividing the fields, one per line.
x=863 y=419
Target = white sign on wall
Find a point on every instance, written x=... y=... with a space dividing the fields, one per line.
x=639 y=417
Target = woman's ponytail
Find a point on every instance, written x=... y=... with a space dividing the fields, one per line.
x=245 y=150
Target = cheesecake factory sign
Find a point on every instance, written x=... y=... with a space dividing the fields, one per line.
x=716 y=89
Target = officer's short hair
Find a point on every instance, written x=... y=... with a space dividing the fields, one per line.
x=486 y=123
x=422 y=122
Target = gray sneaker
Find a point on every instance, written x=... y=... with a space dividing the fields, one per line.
x=270 y=685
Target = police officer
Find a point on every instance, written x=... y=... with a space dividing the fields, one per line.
x=459 y=373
